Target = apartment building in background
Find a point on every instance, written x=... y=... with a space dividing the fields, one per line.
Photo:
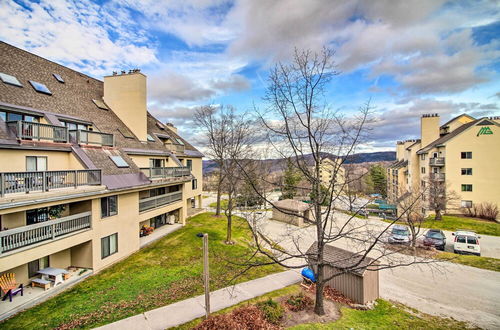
x=84 y=167
x=463 y=154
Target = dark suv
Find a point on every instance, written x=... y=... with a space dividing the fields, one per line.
x=435 y=238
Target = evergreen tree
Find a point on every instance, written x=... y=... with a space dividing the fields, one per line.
x=291 y=178
x=376 y=181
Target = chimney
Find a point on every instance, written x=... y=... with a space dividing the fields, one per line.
x=429 y=128
x=400 y=150
x=125 y=93
x=171 y=127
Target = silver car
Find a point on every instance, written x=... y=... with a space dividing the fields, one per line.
x=399 y=235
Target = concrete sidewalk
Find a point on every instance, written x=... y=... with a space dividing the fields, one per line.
x=192 y=308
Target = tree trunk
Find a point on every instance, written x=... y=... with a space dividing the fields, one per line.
x=438 y=215
x=319 y=308
x=219 y=188
x=229 y=215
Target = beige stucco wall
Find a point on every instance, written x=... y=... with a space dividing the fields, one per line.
x=143 y=161
x=81 y=255
x=429 y=129
x=126 y=95
x=56 y=160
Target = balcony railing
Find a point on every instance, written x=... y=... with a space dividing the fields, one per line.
x=175 y=147
x=436 y=161
x=50 y=230
x=26 y=130
x=165 y=172
x=15 y=182
x=157 y=201
x=438 y=176
x=91 y=137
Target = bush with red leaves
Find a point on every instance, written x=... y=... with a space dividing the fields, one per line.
x=243 y=318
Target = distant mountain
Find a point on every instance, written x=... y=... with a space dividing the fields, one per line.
x=277 y=164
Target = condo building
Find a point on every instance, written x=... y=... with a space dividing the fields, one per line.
x=87 y=175
x=462 y=154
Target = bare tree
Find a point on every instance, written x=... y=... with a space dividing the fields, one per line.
x=300 y=125
x=228 y=140
x=439 y=196
x=410 y=205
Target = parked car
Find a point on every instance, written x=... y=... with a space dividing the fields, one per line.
x=362 y=212
x=466 y=242
x=435 y=238
x=399 y=235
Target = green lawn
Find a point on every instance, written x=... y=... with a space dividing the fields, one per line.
x=452 y=223
x=223 y=204
x=386 y=315
x=470 y=260
x=167 y=271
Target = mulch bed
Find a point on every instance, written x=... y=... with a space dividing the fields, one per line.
x=332 y=294
x=243 y=318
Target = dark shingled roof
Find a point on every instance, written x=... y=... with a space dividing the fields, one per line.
x=446 y=137
x=398 y=164
x=74 y=100
x=343 y=259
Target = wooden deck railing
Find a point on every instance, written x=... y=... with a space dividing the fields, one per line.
x=157 y=201
x=165 y=172
x=14 y=182
x=26 y=130
x=50 y=230
x=82 y=136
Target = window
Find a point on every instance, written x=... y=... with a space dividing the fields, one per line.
x=40 y=88
x=119 y=161
x=109 y=245
x=466 y=154
x=109 y=206
x=35 y=265
x=75 y=126
x=466 y=187
x=11 y=80
x=422 y=157
x=150 y=138
x=194 y=184
x=126 y=132
x=471 y=240
x=37 y=216
x=466 y=204
x=422 y=183
x=36 y=163
x=179 y=141
x=460 y=239
x=58 y=78
x=422 y=170
x=189 y=164
x=155 y=162
x=467 y=171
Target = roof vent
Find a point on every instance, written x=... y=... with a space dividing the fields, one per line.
x=427 y=115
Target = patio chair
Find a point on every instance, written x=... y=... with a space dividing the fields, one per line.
x=9 y=286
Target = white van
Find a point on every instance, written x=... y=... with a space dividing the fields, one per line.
x=466 y=242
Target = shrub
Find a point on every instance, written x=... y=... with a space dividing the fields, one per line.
x=273 y=312
x=299 y=302
x=488 y=211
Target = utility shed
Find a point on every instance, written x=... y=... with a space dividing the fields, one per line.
x=291 y=211
x=358 y=277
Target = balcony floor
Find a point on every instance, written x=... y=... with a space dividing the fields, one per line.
x=159 y=233
x=34 y=296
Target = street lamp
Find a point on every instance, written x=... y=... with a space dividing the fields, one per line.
x=206 y=274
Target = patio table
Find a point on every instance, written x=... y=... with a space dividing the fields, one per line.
x=56 y=273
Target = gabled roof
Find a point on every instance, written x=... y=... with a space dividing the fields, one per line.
x=455 y=118
x=398 y=164
x=446 y=137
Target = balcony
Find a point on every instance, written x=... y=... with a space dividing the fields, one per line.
x=437 y=176
x=51 y=230
x=26 y=130
x=91 y=137
x=157 y=201
x=165 y=172
x=436 y=161
x=17 y=182
x=174 y=147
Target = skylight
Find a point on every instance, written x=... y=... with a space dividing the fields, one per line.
x=100 y=104
x=11 y=80
x=58 y=78
x=40 y=88
x=179 y=141
x=126 y=132
x=150 y=138
x=119 y=161
x=160 y=125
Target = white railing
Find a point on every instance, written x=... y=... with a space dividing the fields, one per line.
x=175 y=147
x=438 y=176
x=14 y=182
x=436 y=161
x=157 y=201
x=37 y=131
x=82 y=136
x=165 y=172
x=50 y=230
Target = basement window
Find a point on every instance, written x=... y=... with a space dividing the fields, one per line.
x=119 y=161
x=100 y=104
x=11 y=80
x=40 y=88
x=58 y=78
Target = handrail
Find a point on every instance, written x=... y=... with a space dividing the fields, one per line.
x=166 y=172
x=20 y=237
x=160 y=200
x=38 y=131
x=14 y=182
x=91 y=137
x=436 y=161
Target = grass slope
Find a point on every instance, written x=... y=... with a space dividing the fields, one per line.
x=167 y=271
x=386 y=315
x=470 y=260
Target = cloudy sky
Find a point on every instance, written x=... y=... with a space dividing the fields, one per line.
x=409 y=57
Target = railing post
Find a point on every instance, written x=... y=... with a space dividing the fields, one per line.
x=20 y=129
x=2 y=186
x=67 y=135
x=44 y=183
x=53 y=227
x=76 y=176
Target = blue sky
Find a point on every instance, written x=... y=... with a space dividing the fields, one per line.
x=409 y=57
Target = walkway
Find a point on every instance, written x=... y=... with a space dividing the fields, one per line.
x=190 y=309
x=159 y=233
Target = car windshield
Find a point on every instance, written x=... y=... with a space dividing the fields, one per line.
x=434 y=234
x=461 y=239
x=402 y=232
x=471 y=240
